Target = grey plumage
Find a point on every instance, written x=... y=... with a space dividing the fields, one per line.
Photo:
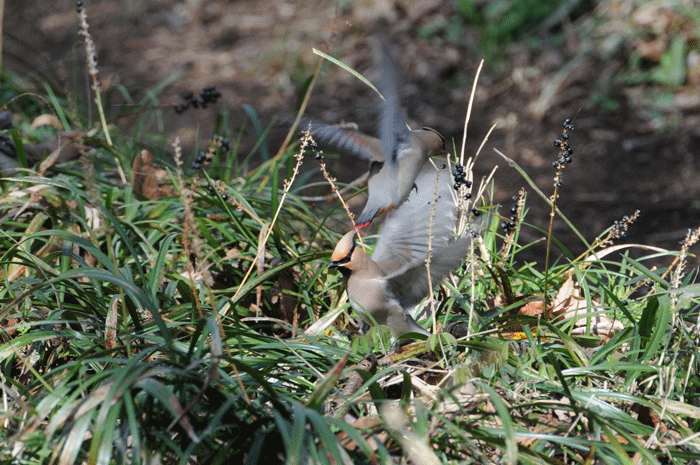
x=388 y=285
x=396 y=157
x=346 y=139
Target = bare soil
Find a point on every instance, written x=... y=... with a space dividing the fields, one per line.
x=259 y=53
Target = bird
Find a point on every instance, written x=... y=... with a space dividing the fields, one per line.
x=385 y=287
x=396 y=157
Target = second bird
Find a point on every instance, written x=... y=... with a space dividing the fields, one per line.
x=396 y=158
x=385 y=288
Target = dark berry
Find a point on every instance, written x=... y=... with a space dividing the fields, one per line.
x=468 y=195
x=317 y=156
x=514 y=198
x=476 y=212
x=196 y=166
x=513 y=209
x=468 y=184
x=456 y=186
x=560 y=185
x=564 y=135
x=187 y=96
x=224 y=197
x=557 y=142
x=443 y=166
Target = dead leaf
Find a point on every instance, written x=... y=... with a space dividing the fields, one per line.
x=45 y=120
x=570 y=303
x=143 y=176
x=652 y=50
x=365 y=423
x=533 y=308
x=111 y=325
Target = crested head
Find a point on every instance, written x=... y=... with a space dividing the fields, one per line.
x=433 y=142
x=343 y=250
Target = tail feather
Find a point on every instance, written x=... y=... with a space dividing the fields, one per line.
x=365 y=218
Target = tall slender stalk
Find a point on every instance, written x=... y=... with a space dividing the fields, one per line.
x=565 y=152
x=92 y=70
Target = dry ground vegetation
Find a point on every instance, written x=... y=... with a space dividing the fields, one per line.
x=152 y=313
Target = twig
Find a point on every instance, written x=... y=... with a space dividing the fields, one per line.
x=287 y=186
x=430 y=246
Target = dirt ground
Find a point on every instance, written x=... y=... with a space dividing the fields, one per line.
x=259 y=53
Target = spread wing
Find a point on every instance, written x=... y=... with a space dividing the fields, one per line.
x=405 y=234
x=393 y=130
x=410 y=284
x=345 y=139
x=402 y=248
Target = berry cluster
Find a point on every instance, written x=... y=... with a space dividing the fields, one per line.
x=620 y=226
x=317 y=153
x=205 y=157
x=619 y=229
x=460 y=178
x=207 y=95
x=509 y=226
x=212 y=191
x=563 y=144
